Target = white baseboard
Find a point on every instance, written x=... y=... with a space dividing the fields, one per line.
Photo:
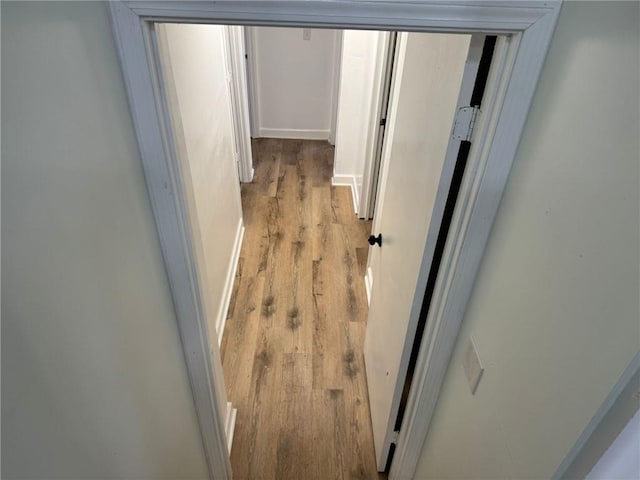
x=294 y=133
x=251 y=175
x=368 y=284
x=228 y=284
x=348 y=181
x=230 y=424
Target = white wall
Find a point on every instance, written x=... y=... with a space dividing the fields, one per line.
x=555 y=308
x=196 y=66
x=94 y=383
x=621 y=460
x=295 y=80
x=354 y=133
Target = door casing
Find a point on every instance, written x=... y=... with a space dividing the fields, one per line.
x=235 y=46
x=529 y=25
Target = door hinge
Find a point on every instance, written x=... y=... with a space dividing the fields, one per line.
x=383 y=122
x=465 y=121
x=394 y=440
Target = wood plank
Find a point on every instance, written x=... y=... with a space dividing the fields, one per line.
x=322 y=216
x=359 y=433
x=329 y=421
x=267 y=153
x=342 y=205
x=242 y=331
x=295 y=455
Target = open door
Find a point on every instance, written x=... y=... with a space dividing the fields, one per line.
x=434 y=76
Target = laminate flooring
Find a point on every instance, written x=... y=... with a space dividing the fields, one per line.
x=293 y=342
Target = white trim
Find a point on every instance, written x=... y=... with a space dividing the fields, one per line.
x=348 y=181
x=622 y=399
x=162 y=172
x=230 y=424
x=294 y=133
x=234 y=36
x=335 y=86
x=228 y=284
x=373 y=128
x=368 y=284
x=531 y=23
x=459 y=16
x=252 y=81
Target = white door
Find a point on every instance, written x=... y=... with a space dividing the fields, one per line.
x=417 y=164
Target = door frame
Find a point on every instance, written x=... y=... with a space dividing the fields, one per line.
x=530 y=26
x=335 y=86
x=383 y=72
x=252 y=83
x=236 y=50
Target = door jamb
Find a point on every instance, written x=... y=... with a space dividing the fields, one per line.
x=234 y=36
x=531 y=25
x=252 y=83
x=384 y=65
x=335 y=86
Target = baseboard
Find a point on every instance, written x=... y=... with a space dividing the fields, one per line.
x=230 y=424
x=368 y=284
x=348 y=181
x=228 y=285
x=251 y=175
x=294 y=133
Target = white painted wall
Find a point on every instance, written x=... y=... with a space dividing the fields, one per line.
x=621 y=460
x=94 y=383
x=555 y=309
x=359 y=85
x=295 y=81
x=195 y=70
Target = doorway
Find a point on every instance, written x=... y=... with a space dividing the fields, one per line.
x=301 y=267
x=524 y=56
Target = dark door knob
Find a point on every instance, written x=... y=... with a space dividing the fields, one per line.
x=373 y=240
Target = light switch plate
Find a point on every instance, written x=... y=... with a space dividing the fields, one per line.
x=306 y=34
x=472 y=365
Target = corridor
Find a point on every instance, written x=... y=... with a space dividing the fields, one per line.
x=292 y=345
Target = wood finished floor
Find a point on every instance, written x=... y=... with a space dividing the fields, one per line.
x=293 y=342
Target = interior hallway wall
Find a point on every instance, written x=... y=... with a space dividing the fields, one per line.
x=295 y=82
x=94 y=382
x=197 y=76
x=555 y=308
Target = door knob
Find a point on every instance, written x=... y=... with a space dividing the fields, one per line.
x=373 y=240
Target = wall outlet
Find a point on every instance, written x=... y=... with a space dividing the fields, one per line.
x=306 y=34
x=472 y=365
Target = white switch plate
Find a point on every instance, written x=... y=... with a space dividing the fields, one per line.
x=472 y=365
x=306 y=34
